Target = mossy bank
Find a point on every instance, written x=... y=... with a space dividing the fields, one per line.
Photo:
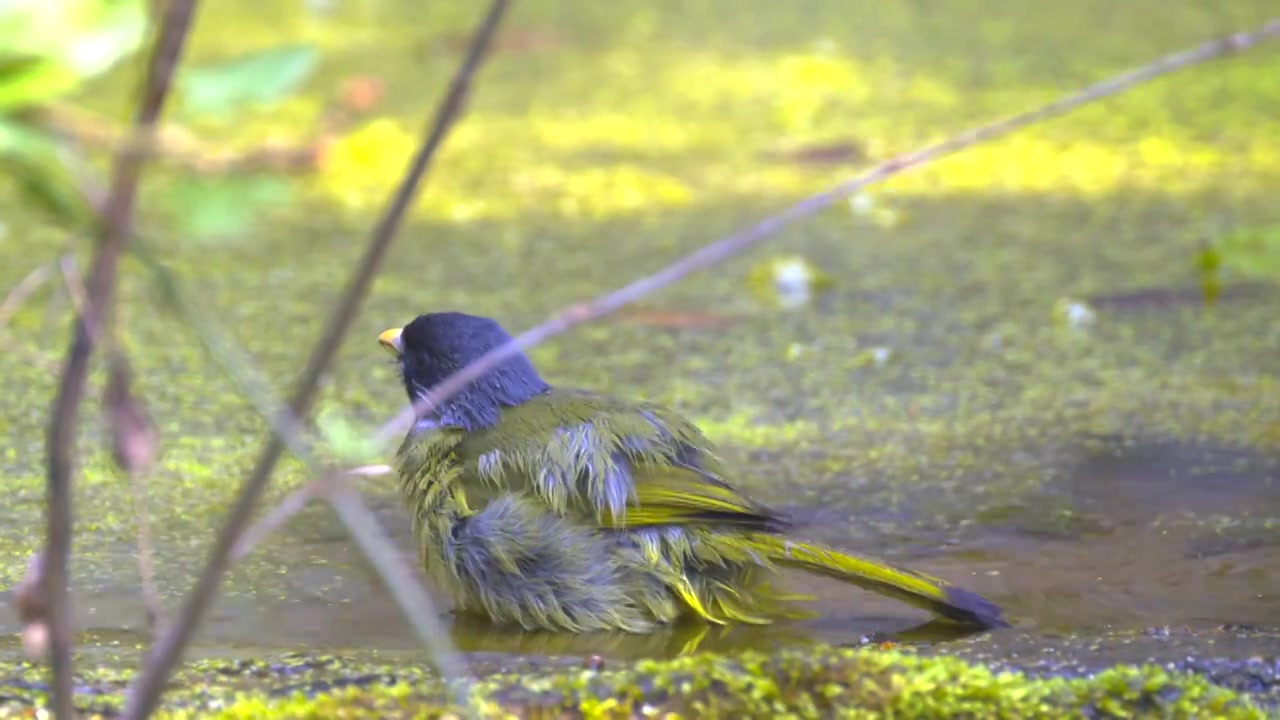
x=824 y=683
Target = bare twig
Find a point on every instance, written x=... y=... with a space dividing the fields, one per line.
x=115 y=228
x=134 y=435
x=18 y=295
x=173 y=144
x=293 y=504
x=369 y=470
x=239 y=367
x=290 y=506
x=731 y=245
x=146 y=555
x=230 y=357
x=145 y=693
x=399 y=578
x=76 y=291
x=20 y=292
x=135 y=446
x=236 y=363
x=55 y=307
x=233 y=361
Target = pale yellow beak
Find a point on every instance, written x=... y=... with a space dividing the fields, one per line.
x=390 y=339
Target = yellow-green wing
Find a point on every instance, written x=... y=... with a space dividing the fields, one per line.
x=606 y=460
x=684 y=495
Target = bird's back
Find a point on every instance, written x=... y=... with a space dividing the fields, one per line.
x=581 y=452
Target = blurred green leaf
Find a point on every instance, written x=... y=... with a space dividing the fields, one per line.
x=218 y=209
x=33 y=160
x=346 y=438
x=263 y=77
x=1251 y=251
x=48 y=47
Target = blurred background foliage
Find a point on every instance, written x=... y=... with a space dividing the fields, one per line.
x=284 y=98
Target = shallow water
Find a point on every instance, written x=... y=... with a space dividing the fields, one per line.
x=1117 y=475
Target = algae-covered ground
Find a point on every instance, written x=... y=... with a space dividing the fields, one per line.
x=1013 y=379
x=818 y=683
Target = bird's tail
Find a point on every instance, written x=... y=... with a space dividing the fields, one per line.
x=923 y=591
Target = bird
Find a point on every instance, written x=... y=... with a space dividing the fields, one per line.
x=567 y=510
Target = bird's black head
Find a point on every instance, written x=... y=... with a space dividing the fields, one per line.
x=436 y=345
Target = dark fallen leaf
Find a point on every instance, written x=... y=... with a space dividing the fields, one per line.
x=838 y=152
x=682 y=319
x=1169 y=298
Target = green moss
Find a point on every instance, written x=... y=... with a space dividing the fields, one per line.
x=827 y=682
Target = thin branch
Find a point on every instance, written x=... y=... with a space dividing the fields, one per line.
x=293 y=504
x=176 y=145
x=415 y=603
x=398 y=576
x=145 y=693
x=236 y=363
x=135 y=443
x=230 y=357
x=731 y=245
x=23 y=290
x=128 y=418
x=146 y=554
x=239 y=367
x=115 y=228
x=18 y=295
x=76 y=290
